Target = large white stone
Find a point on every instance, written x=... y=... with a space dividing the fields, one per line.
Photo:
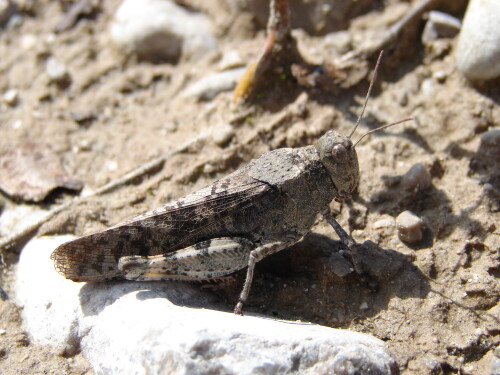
x=161 y=30
x=174 y=328
x=478 y=50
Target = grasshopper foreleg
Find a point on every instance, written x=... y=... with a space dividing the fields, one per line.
x=352 y=248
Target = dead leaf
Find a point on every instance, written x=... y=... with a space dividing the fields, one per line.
x=31 y=171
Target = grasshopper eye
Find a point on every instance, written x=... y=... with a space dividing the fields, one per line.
x=339 y=153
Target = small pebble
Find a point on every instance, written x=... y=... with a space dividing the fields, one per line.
x=410 y=227
x=7 y=9
x=491 y=139
x=17 y=124
x=10 y=97
x=2 y=332
x=57 y=72
x=230 y=60
x=440 y=76
x=478 y=48
x=339 y=265
x=440 y=25
x=488 y=153
x=15 y=21
x=28 y=42
x=222 y=135
x=417 y=178
x=209 y=87
x=209 y=168
x=364 y=306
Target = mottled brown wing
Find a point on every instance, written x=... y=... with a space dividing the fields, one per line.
x=205 y=214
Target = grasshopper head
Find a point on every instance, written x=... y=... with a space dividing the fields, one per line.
x=339 y=157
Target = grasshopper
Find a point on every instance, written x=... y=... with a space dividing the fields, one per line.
x=260 y=209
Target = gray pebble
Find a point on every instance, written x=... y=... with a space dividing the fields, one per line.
x=339 y=265
x=15 y=21
x=7 y=9
x=478 y=49
x=489 y=148
x=410 y=227
x=491 y=138
x=440 y=25
x=417 y=178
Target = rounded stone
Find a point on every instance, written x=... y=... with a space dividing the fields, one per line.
x=478 y=50
x=417 y=178
x=410 y=227
x=160 y=30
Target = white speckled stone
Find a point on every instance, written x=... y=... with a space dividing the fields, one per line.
x=177 y=328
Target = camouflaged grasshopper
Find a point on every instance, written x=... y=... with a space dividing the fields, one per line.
x=260 y=209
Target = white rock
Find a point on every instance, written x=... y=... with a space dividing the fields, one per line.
x=209 y=87
x=160 y=30
x=148 y=328
x=10 y=97
x=56 y=71
x=478 y=50
x=230 y=59
x=222 y=134
x=28 y=42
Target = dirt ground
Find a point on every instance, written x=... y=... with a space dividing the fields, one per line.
x=437 y=302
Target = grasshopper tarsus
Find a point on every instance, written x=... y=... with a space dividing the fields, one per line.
x=352 y=253
x=238 y=309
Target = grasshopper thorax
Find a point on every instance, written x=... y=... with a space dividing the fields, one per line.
x=339 y=157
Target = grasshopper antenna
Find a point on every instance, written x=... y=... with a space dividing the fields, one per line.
x=367 y=94
x=381 y=128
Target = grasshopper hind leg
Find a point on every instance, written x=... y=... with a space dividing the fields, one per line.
x=205 y=260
